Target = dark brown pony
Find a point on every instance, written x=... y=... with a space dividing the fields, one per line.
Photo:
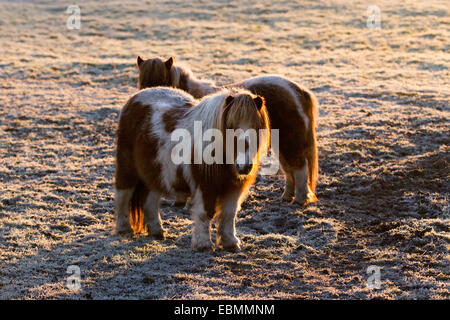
x=292 y=110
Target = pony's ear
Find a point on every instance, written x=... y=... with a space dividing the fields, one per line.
x=259 y=101
x=169 y=63
x=228 y=100
x=139 y=60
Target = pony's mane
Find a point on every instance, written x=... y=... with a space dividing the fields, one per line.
x=215 y=113
x=209 y=110
x=183 y=78
x=177 y=72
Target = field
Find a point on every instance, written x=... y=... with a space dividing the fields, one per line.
x=383 y=139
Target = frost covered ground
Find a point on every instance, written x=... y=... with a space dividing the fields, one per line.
x=383 y=140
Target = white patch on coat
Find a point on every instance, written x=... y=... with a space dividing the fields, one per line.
x=162 y=95
x=201 y=237
x=226 y=231
x=164 y=154
x=162 y=100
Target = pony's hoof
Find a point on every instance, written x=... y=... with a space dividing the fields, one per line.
x=297 y=202
x=305 y=199
x=202 y=246
x=312 y=198
x=123 y=230
x=158 y=236
x=236 y=247
x=233 y=245
x=124 y=233
x=286 y=197
x=299 y=199
x=156 y=232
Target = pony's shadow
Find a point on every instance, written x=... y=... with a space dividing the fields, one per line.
x=110 y=266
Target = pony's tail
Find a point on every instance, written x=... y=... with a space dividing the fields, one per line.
x=310 y=103
x=135 y=207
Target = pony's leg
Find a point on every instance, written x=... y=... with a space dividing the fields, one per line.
x=201 y=237
x=302 y=192
x=126 y=179
x=289 y=187
x=226 y=231
x=122 y=200
x=152 y=218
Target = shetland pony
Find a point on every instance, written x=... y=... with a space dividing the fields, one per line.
x=146 y=170
x=292 y=110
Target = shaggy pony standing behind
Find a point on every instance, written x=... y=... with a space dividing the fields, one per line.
x=292 y=110
x=146 y=170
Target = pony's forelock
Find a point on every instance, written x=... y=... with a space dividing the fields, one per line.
x=215 y=113
x=241 y=109
x=218 y=114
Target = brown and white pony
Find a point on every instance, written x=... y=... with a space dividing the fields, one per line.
x=145 y=169
x=292 y=110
